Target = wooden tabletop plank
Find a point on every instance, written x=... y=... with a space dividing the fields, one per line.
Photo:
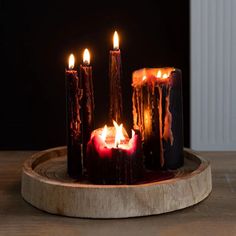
x=214 y=216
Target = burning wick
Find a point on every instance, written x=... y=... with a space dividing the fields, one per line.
x=165 y=76
x=162 y=76
x=115 y=41
x=86 y=57
x=159 y=74
x=104 y=133
x=119 y=134
x=71 y=62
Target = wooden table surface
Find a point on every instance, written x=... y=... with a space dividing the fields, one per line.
x=214 y=216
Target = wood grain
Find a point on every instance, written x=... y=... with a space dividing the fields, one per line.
x=214 y=216
x=46 y=185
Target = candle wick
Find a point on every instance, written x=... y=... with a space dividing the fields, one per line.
x=117 y=145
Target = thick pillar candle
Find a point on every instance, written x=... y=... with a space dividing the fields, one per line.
x=87 y=101
x=111 y=161
x=115 y=95
x=157 y=113
x=74 y=129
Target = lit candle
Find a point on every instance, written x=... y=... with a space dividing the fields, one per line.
x=116 y=107
x=157 y=113
x=74 y=132
x=113 y=158
x=87 y=101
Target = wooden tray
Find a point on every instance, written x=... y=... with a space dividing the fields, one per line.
x=46 y=185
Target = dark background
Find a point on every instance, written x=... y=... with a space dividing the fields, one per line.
x=37 y=38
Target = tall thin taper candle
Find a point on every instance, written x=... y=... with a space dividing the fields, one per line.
x=115 y=95
x=74 y=131
x=87 y=101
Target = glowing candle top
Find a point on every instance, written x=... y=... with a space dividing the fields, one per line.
x=147 y=75
x=86 y=57
x=115 y=41
x=114 y=136
x=71 y=62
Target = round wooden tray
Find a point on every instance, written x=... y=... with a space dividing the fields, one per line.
x=46 y=185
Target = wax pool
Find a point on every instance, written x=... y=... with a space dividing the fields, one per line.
x=111 y=164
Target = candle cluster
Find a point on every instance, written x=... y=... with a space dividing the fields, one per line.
x=107 y=154
x=80 y=108
x=80 y=105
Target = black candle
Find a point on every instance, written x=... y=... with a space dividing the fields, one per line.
x=173 y=121
x=87 y=101
x=157 y=113
x=112 y=161
x=74 y=131
x=116 y=107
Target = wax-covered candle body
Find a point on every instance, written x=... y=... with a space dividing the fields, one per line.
x=74 y=131
x=87 y=105
x=115 y=85
x=157 y=113
x=116 y=107
x=108 y=164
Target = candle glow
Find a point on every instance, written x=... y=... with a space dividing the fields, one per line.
x=145 y=75
x=119 y=134
x=112 y=137
x=115 y=41
x=162 y=76
x=159 y=74
x=104 y=133
x=165 y=76
x=86 y=57
x=133 y=133
x=71 y=61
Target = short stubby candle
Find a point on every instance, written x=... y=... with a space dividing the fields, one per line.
x=157 y=114
x=113 y=158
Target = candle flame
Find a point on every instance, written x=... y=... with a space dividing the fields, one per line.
x=165 y=76
x=144 y=77
x=104 y=133
x=71 y=61
x=119 y=134
x=159 y=74
x=133 y=133
x=86 y=57
x=115 y=41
